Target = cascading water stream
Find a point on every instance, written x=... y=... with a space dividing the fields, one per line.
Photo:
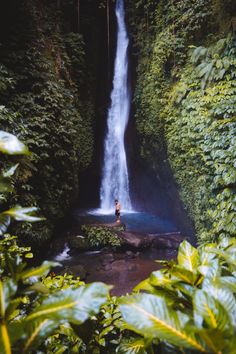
x=115 y=180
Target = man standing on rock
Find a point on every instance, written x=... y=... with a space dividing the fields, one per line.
x=117 y=210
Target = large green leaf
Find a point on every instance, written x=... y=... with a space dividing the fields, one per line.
x=211 y=269
x=159 y=278
x=150 y=316
x=188 y=256
x=214 y=339
x=23 y=214
x=228 y=282
x=132 y=346
x=144 y=285
x=7 y=289
x=33 y=275
x=184 y=275
x=9 y=144
x=224 y=296
x=74 y=305
x=211 y=311
x=36 y=331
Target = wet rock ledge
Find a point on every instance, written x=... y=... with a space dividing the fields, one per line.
x=95 y=236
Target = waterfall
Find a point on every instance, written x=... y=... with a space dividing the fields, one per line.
x=115 y=180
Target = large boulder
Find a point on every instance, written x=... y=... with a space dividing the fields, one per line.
x=79 y=242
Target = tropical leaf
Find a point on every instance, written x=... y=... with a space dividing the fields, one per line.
x=211 y=311
x=33 y=275
x=35 y=332
x=184 y=275
x=145 y=285
x=150 y=316
x=188 y=256
x=23 y=214
x=224 y=296
x=215 y=340
x=7 y=289
x=159 y=278
x=132 y=346
x=210 y=268
x=9 y=144
x=227 y=282
x=73 y=305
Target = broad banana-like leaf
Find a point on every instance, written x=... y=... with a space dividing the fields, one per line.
x=149 y=315
x=23 y=214
x=211 y=311
x=11 y=145
x=188 y=256
x=36 y=331
x=33 y=275
x=73 y=305
x=4 y=223
x=132 y=346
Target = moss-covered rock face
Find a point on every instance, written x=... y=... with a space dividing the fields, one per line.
x=45 y=88
x=200 y=133
x=79 y=242
x=185 y=102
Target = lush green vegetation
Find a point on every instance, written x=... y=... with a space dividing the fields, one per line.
x=45 y=99
x=185 y=116
x=101 y=236
x=185 y=103
x=188 y=306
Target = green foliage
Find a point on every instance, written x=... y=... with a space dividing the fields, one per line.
x=99 y=236
x=189 y=304
x=185 y=104
x=200 y=130
x=45 y=88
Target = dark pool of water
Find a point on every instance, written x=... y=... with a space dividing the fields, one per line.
x=135 y=221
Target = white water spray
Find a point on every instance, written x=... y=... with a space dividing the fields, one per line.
x=115 y=181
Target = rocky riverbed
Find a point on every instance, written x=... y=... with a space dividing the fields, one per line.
x=123 y=265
